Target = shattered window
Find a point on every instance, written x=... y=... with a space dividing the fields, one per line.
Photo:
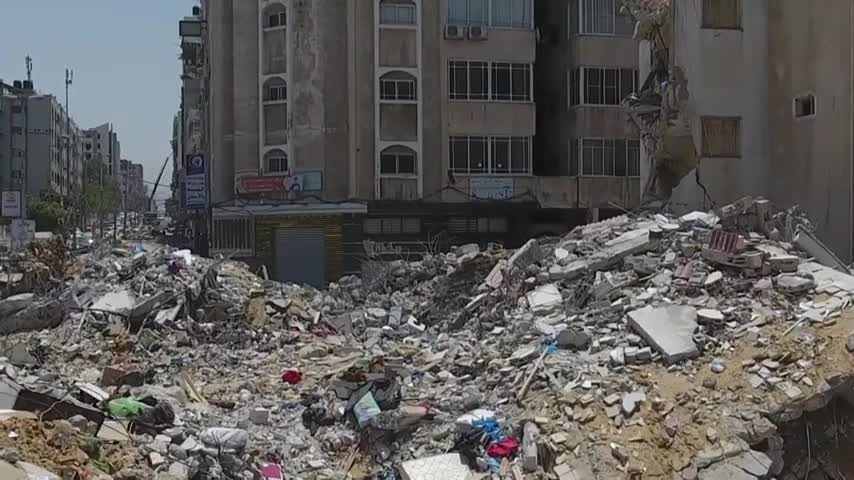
x=721 y=137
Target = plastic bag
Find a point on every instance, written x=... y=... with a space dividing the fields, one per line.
x=126 y=407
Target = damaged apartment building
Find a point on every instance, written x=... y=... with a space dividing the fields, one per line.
x=757 y=95
x=341 y=132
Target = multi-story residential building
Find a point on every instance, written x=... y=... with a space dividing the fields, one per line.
x=587 y=63
x=769 y=103
x=105 y=147
x=131 y=186
x=42 y=149
x=340 y=131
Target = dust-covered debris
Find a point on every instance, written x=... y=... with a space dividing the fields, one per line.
x=639 y=347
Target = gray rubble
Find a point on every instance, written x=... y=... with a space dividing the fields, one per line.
x=644 y=346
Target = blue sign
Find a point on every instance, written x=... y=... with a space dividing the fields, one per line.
x=196 y=187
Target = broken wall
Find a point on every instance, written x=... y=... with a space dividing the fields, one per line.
x=727 y=77
x=809 y=52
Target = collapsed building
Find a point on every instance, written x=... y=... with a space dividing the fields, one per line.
x=767 y=114
x=707 y=346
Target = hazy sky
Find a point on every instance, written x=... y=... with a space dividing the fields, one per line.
x=124 y=54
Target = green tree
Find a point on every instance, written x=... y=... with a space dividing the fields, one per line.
x=48 y=212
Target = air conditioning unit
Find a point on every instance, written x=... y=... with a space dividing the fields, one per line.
x=454 y=32
x=477 y=32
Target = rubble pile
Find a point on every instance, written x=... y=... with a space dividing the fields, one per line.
x=647 y=346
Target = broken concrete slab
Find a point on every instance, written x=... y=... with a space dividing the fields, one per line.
x=544 y=298
x=447 y=467
x=15 y=303
x=528 y=254
x=724 y=471
x=120 y=302
x=755 y=463
x=670 y=330
x=808 y=242
x=37 y=316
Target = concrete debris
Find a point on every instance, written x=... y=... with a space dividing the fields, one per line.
x=648 y=346
x=670 y=330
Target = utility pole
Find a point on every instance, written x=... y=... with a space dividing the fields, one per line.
x=25 y=204
x=69 y=178
x=113 y=179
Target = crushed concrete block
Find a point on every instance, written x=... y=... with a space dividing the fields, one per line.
x=15 y=303
x=708 y=315
x=809 y=243
x=724 y=471
x=546 y=297
x=528 y=254
x=793 y=284
x=670 y=330
x=445 y=467
x=755 y=463
x=568 y=272
x=530 y=449
x=573 y=338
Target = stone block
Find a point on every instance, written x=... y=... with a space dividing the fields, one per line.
x=669 y=330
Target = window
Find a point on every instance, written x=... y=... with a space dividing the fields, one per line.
x=468 y=12
x=605 y=157
x=805 y=106
x=499 y=81
x=477 y=225
x=17 y=109
x=468 y=80
x=276 y=161
x=601 y=86
x=397 y=86
x=391 y=226
x=722 y=14
x=721 y=137
x=511 y=81
x=275 y=17
x=275 y=90
x=397 y=160
x=511 y=13
x=504 y=13
x=232 y=234
x=490 y=155
x=401 y=12
x=600 y=17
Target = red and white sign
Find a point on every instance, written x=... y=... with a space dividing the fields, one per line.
x=298 y=182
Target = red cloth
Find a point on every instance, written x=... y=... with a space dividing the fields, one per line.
x=291 y=376
x=503 y=448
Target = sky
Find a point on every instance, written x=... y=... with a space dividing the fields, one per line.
x=124 y=54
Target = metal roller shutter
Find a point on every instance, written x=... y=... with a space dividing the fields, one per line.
x=300 y=256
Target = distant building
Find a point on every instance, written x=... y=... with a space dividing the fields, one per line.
x=38 y=145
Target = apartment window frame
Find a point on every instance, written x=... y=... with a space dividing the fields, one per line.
x=517 y=72
x=396 y=19
x=722 y=20
x=492 y=145
x=391 y=226
x=606 y=19
x=589 y=86
x=597 y=157
x=804 y=106
x=276 y=162
x=233 y=235
x=731 y=148
x=398 y=155
x=278 y=12
x=488 y=15
x=474 y=225
x=398 y=87
x=275 y=90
